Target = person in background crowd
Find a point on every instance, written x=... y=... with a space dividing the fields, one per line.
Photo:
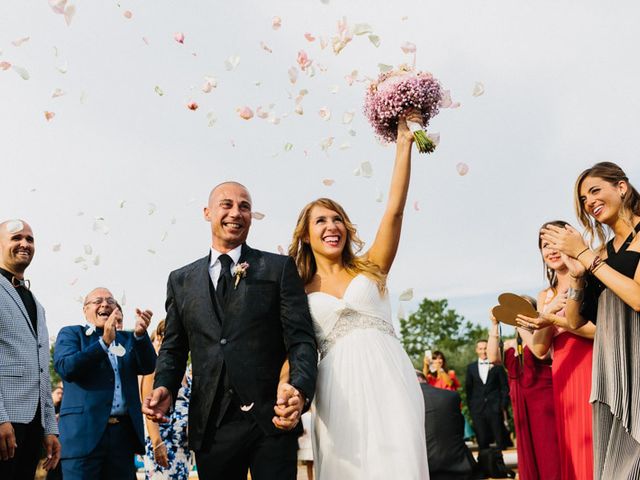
x=437 y=373
x=100 y=420
x=604 y=287
x=27 y=417
x=167 y=455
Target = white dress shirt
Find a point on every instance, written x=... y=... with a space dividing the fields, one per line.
x=483 y=369
x=215 y=266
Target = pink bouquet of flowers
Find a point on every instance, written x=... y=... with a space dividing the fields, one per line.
x=393 y=94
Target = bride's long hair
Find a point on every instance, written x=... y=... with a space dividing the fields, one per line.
x=301 y=251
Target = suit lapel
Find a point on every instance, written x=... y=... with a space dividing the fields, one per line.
x=201 y=286
x=236 y=296
x=10 y=289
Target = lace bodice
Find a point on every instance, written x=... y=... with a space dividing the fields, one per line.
x=362 y=307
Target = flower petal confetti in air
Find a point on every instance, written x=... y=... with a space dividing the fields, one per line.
x=88 y=250
x=288 y=147
x=246 y=408
x=303 y=60
x=90 y=328
x=79 y=260
x=344 y=146
x=293 y=75
x=145 y=40
x=375 y=40
x=478 y=89
x=164 y=236
x=179 y=37
x=127 y=14
x=265 y=47
x=57 y=93
x=245 y=113
x=408 y=47
x=73 y=281
x=99 y=225
x=58 y=6
x=211 y=119
x=56 y=247
x=323 y=42
x=347 y=117
x=328 y=182
x=326 y=144
x=462 y=169
x=193 y=106
x=151 y=251
x=362 y=29
x=117 y=349
x=299 y=110
x=20 y=41
x=333 y=89
x=14 y=226
x=416 y=206
x=446 y=102
x=344 y=36
x=158 y=90
x=309 y=37
x=434 y=137
x=383 y=67
x=69 y=13
x=96 y=260
x=352 y=77
x=209 y=84
x=123 y=298
x=379 y=196
x=324 y=113
x=276 y=23
x=21 y=71
x=5 y=65
x=366 y=169
x=63 y=68
x=122 y=203
x=151 y=209
x=257 y=215
x=231 y=62
x=281 y=250
x=260 y=113
x=48 y=116
x=406 y=295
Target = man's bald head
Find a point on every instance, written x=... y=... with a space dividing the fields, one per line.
x=225 y=184
x=17 y=246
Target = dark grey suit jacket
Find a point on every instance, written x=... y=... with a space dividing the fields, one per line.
x=265 y=320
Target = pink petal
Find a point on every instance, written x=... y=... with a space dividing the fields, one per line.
x=276 y=23
x=5 y=65
x=325 y=113
x=57 y=93
x=145 y=40
x=192 y=106
x=179 y=37
x=434 y=137
x=265 y=47
x=69 y=13
x=309 y=37
x=127 y=14
x=245 y=113
x=293 y=75
x=49 y=115
x=303 y=60
x=328 y=182
x=323 y=42
x=299 y=110
x=57 y=5
x=416 y=207
x=209 y=84
x=281 y=250
x=20 y=41
x=462 y=169
x=408 y=47
x=261 y=113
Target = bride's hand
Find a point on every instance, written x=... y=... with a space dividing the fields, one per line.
x=404 y=134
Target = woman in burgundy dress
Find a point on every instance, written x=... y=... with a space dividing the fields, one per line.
x=531 y=392
x=572 y=352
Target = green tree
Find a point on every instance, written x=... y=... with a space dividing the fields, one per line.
x=55 y=378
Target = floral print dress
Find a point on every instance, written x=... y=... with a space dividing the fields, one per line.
x=174 y=435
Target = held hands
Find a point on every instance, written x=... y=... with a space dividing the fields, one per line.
x=143 y=319
x=8 y=443
x=566 y=240
x=157 y=405
x=288 y=408
x=52 y=449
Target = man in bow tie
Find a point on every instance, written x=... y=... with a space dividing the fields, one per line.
x=487 y=396
x=27 y=417
x=241 y=313
x=100 y=419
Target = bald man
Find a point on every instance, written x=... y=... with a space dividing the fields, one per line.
x=100 y=420
x=27 y=416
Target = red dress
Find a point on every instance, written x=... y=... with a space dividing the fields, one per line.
x=531 y=393
x=572 y=361
x=453 y=384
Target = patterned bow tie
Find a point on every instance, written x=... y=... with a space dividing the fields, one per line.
x=21 y=283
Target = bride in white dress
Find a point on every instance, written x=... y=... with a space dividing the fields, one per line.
x=369 y=421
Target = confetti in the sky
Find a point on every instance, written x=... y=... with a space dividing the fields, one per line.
x=375 y=40
x=192 y=106
x=276 y=23
x=20 y=41
x=5 y=65
x=56 y=247
x=88 y=250
x=257 y=215
x=462 y=169
x=231 y=62
x=48 y=116
x=408 y=47
x=57 y=93
x=22 y=72
x=328 y=182
x=69 y=13
x=347 y=117
x=416 y=206
x=406 y=295
x=179 y=37
x=362 y=29
x=265 y=47
x=245 y=113
x=325 y=113
x=478 y=89
x=127 y=14
x=309 y=37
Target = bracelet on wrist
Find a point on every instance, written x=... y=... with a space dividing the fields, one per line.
x=575 y=294
x=578 y=256
x=597 y=262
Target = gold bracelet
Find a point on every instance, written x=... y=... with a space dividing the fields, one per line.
x=578 y=256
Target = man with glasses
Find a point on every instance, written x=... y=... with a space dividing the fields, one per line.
x=27 y=417
x=100 y=421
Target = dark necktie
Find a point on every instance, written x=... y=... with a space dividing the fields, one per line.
x=224 y=280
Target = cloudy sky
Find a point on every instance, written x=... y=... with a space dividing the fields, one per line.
x=114 y=183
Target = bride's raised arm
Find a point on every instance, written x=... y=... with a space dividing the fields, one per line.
x=384 y=247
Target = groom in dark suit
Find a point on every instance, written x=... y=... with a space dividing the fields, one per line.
x=241 y=313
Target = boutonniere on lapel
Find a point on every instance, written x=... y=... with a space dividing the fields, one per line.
x=239 y=272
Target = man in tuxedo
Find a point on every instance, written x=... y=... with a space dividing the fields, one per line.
x=27 y=418
x=100 y=419
x=487 y=396
x=449 y=457
x=241 y=313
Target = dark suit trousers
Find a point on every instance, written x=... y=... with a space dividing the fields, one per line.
x=112 y=459
x=239 y=445
x=488 y=426
x=29 y=438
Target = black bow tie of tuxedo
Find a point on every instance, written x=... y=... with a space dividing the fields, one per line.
x=21 y=283
x=224 y=280
x=485 y=362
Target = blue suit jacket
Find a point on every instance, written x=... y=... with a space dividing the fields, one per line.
x=89 y=382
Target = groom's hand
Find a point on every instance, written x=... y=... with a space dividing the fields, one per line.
x=157 y=405
x=288 y=407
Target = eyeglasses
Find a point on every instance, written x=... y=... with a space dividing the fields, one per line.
x=98 y=301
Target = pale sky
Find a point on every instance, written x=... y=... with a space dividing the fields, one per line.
x=562 y=92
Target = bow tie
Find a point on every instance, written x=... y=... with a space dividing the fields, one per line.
x=20 y=283
x=484 y=362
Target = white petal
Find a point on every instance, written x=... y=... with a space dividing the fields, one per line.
x=79 y=260
x=257 y=215
x=231 y=62
x=21 y=71
x=478 y=89
x=347 y=117
x=88 y=250
x=406 y=295
x=117 y=350
x=462 y=169
x=56 y=247
x=383 y=67
x=375 y=39
x=164 y=236
x=380 y=196
x=362 y=29
x=151 y=209
x=20 y=41
x=69 y=13
x=96 y=260
x=57 y=93
x=366 y=169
